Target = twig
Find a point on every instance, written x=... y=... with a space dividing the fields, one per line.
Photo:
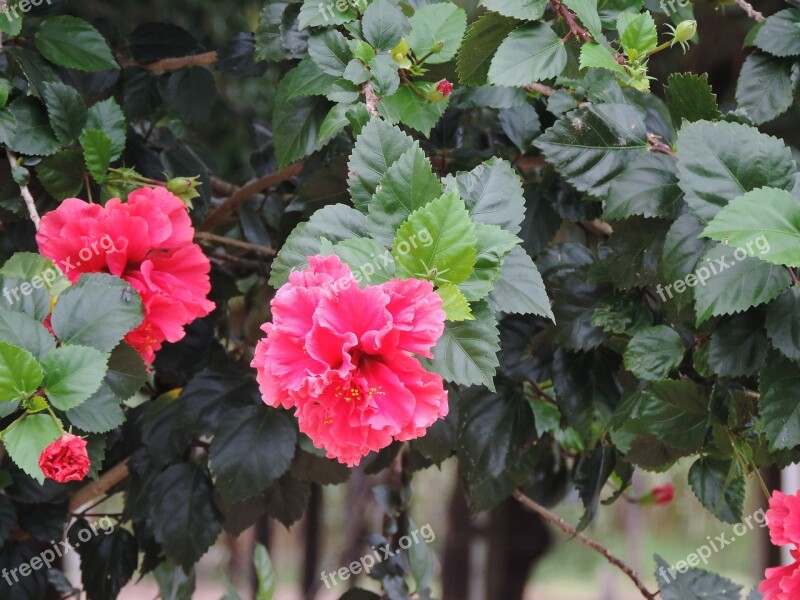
x=574 y=27
x=97 y=488
x=584 y=539
x=237 y=198
x=173 y=64
x=544 y=90
x=26 y=193
x=370 y=98
x=792 y=274
x=749 y=10
x=204 y=235
x=656 y=145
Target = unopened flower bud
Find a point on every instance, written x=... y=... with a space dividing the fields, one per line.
x=685 y=31
x=440 y=91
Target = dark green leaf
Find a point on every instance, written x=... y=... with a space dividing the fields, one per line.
x=529 y=54
x=28 y=333
x=330 y=51
x=779 y=384
x=66 y=109
x=520 y=288
x=62 y=174
x=648 y=188
x=690 y=98
x=654 y=352
x=71 y=42
x=96 y=153
x=764 y=90
x=783 y=326
x=191 y=91
x=108 y=560
x=738 y=346
x=480 y=44
x=693 y=584
x=780 y=34
x=33 y=133
x=410 y=106
x=719 y=487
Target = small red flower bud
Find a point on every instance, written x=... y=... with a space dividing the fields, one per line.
x=664 y=494
x=65 y=459
x=444 y=87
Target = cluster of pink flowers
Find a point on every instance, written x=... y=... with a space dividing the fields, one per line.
x=148 y=242
x=342 y=357
x=783 y=518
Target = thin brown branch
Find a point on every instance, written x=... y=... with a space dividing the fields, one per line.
x=749 y=10
x=553 y=518
x=173 y=64
x=544 y=90
x=204 y=235
x=656 y=145
x=574 y=27
x=26 y=193
x=241 y=195
x=97 y=488
x=370 y=98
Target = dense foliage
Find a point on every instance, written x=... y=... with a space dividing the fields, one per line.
x=616 y=257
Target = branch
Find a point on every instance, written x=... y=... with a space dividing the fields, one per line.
x=173 y=64
x=656 y=145
x=97 y=488
x=204 y=235
x=584 y=539
x=749 y=10
x=574 y=28
x=26 y=193
x=370 y=98
x=238 y=197
x=544 y=90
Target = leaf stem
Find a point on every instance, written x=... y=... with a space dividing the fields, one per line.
x=553 y=518
x=574 y=28
x=26 y=194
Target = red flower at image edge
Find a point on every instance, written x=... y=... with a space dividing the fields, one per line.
x=342 y=357
x=147 y=241
x=783 y=519
x=65 y=459
x=664 y=494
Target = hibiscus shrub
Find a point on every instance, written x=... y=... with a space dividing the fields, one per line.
x=505 y=233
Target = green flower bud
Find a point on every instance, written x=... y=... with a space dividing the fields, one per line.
x=400 y=54
x=685 y=31
x=437 y=47
x=184 y=188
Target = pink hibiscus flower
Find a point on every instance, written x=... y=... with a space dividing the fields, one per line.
x=783 y=519
x=147 y=241
x=342 y=357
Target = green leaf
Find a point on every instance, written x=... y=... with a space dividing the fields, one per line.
x=72 y=374
x=492 y=246
x=531 y=53
x=383 y=71
x=174 y=523
x=11 y=23
x=521 y=125
x=442 y=23
x=28 y=333
x=783 y=326
x=316 y=14
x=592 y=145
x=587 y=13
x=595 y=55
x=100 y=413
x=719 y=487
x=336 y=223
x=525 y=10
x=286 y=500
x=307 y=79
x=591 y=474
x=764 y=90
x=684 y=250
x=690 y=98
x=330 y=51
x=639 y=36
x=98 y=311
x=277 y=36
x=378 y=147
x=335 y=122
x=635 y=248
x=252 y=448
x=466 y=353
x=33 y=133
x=28 y=280
x=520 y=288
x=107 y=116
x=8 y=127
x=693 y=584
x=382 y=25
x=410 y=106
x=780 y=34
x=492 y=193
x=767 y=220
x=264 y=573
x=370 y=262
x=71 y=42
x=297 y=120
x=738 y=346
x=66 y=109
x=20 y=373
x=96 y=153
x=25 y=442
x=62 y=174
x=736 y=285
x=653 y=353
x=648 y=187
x=714 y=168
x=408 y=184
x=779 y=385
x=480 y=44
x=454 y=304
x=450 y=258
x=108 y=561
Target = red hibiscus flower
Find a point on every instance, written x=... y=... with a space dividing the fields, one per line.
x=783 y=519
x=65 y=459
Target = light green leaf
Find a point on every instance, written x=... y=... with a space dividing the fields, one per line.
x=433 y=24
x=587 y=13
x=595 y=55
x=520 y=288
x=531 y=53
x=492 y=247
x=466 y=353
x=451 y=256
x=314 y=13
x=264 y=574
x=480 y=44
x=640 y=35
x=714 y=167
x=408 y=184
x=20 y=373
x=410 y=106
x=72 y=374
x=26 y=441
x=370 y=262
x=654 y=352
x=454 y=304
x=71 y=42
x=96 y=153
